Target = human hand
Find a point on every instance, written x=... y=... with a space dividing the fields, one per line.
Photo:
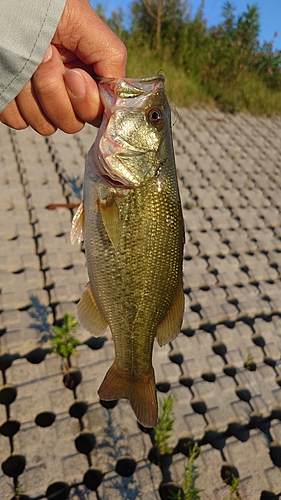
x=62 y=93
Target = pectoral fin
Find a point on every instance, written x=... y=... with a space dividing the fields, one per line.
x=89 y=314
x=77 y=225
x=110 y=217
x=169 y=328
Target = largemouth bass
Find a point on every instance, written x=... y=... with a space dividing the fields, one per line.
x=131 y=221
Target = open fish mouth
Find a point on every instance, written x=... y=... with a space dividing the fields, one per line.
x=128 y=140
x=129 y=87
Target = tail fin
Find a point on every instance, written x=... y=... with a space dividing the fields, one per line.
x=139 y=390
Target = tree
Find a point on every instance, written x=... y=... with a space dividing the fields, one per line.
x=116 y=21
x=248 y=27
x=163 y=11
x=100 y=11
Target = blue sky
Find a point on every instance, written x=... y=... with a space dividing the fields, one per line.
x=270 y=14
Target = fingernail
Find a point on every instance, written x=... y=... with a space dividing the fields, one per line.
x=48 y=54
x=75 y=83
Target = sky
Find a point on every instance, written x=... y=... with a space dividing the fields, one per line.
x=270 y=14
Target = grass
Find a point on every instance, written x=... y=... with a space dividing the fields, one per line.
x=180 y=90
x=245 y=93
x=223 y=65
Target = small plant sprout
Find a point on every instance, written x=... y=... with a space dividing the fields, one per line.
x=190 y=492
x=190 y=476
x=189 y=205
x=64 y=343
x=18 y=492
x=234 y=489
x=249 y=363
x=165 y=425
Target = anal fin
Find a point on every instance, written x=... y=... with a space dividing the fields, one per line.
x=89 y=314
x=169 y=328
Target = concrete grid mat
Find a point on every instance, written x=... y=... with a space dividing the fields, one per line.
x=224 y=368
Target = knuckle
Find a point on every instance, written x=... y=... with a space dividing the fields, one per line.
x=46 y=85
x=72 y=127
x=120 y=52
x=48 y=131
x=13 y=120
x=45 y=128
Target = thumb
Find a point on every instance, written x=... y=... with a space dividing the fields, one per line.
x=81 y=31
x=84 y=95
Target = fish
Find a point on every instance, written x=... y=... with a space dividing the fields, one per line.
x=132 y=225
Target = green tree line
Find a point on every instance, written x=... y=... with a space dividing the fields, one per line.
x=223 y=65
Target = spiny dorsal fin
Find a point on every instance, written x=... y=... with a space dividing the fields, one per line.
x=169 y=328
x=77 y=226
x=89 y=314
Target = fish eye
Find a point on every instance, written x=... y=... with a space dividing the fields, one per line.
x=155 y=116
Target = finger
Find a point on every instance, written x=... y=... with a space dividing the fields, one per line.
x=83 y=33
x=32 y=111
x=84 y=95
x=12 y=117
x=51 y=92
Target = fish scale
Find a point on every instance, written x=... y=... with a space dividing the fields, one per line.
x=133 y=240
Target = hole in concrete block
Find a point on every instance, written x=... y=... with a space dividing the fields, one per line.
x=93 y=478
x=10 y=428
x=45 y=418
x=8 y=394
x=58 y=490
x=85 y=442
x=14 y=465
x=125 y=466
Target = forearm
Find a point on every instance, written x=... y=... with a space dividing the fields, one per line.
x=26 y=29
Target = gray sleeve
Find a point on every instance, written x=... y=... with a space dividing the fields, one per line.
x=26 y=29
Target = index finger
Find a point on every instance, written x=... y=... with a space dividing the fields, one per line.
x=83 y=32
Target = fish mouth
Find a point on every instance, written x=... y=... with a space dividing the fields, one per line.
x=118 y=161
x=128 y=87
x=112 y=183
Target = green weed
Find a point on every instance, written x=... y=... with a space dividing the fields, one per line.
x=250 y=363
x=164 y=427
x=190 y=476
x=234 y=489
x=190 y=491
x=64 y=343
